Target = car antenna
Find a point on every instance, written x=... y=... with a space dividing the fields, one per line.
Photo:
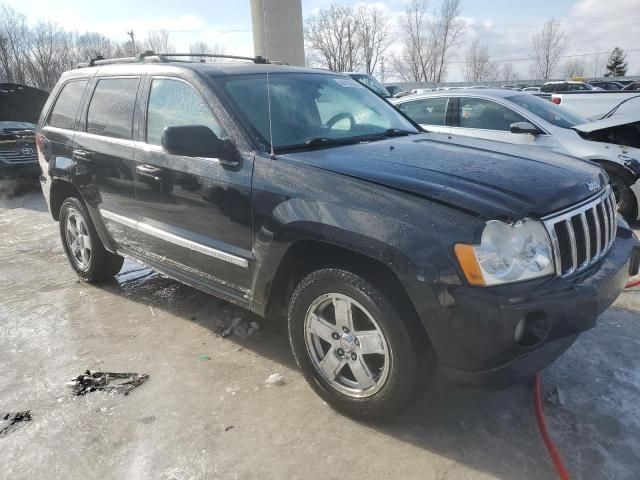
x=266 y=54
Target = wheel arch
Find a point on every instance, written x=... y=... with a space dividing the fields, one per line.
x=61 y=190
x=307 y=255
x=628 y=175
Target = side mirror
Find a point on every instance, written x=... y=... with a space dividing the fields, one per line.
x=198 y=141
x=524 y=127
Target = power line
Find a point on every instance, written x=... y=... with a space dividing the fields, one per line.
x=529 y=59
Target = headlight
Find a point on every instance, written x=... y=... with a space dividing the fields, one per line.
x=507 y=253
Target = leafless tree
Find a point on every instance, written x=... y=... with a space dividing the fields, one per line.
x=478 y=65
x=203 y=47
x=158 y=41
x=548 y=46
x=91 y=44
x=374 y=35
x=332 y=35
x=448 y=30
x=50 y=54
x=14 y=45
x=574 y=67
x=507 y=73
x=416 y=60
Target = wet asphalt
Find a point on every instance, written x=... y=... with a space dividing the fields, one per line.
x=205 y=411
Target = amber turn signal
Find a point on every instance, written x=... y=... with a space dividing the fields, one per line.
x=469 y=264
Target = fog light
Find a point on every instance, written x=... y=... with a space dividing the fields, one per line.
x=532 y=329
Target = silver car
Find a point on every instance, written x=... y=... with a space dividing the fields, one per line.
x=524 y=119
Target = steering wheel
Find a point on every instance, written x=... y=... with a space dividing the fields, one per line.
x=341 y=116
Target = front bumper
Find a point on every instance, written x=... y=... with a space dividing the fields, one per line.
x=475 y=341
x=19 y=170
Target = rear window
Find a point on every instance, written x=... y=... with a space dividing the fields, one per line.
x=111 y=108
x=63 y=114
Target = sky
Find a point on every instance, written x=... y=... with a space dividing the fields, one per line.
x=505 y=26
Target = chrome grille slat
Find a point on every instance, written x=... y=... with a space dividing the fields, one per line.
x=579 y=228
x=587 y=239
x=15 y=156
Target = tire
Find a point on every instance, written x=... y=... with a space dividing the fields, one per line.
x=85 y=252
x=625 y=198
x=391 y=377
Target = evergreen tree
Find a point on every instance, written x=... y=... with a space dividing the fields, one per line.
x=617 y=64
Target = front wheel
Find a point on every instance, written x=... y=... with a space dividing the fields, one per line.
x=84 y=249
x=625 y=198
x=352 y=346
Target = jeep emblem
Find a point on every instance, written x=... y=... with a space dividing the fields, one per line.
x=593 y=186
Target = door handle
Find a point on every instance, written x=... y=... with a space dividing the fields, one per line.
x=82 y=155
x=149 y=171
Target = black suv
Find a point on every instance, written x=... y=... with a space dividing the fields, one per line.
x=301 y=193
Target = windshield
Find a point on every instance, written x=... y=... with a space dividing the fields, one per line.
x=308 y=107
x=6 y=125
x=372 y=83
x=558 y=116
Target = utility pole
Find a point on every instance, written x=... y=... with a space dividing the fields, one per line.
x=133 y=41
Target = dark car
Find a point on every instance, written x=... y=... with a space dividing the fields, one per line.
x=606 y=85
x=568 y=86
x=632 y=86
x=300 y=193
x=370 y=82
x=20 y=107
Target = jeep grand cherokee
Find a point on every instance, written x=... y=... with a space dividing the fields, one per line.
x=301 y=193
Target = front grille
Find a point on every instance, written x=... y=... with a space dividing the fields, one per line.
x=583 y=234
x=16 y=156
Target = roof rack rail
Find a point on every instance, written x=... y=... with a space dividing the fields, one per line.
x=164 y=57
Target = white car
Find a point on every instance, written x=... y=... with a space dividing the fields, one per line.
x=524 y=119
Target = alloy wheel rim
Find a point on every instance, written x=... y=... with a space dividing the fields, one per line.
x=78 y=240
x=346 y=345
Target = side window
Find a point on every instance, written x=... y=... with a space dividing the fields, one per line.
x=63 y=114
x=111 y=109
x=486 y=115
x=429 y=111
x=174 y=103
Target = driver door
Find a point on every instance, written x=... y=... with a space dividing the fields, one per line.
x=195 y=213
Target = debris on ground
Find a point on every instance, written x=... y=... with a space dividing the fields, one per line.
x=90 y=382
x=238 y=327
x=275 y=379
x=556 y=397
x=226 y=429
x=205 y=357
x=9 y=422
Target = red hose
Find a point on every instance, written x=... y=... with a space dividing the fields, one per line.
x=542 y=426
x=633 y=283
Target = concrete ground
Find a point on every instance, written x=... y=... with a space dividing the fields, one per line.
x=205 y=412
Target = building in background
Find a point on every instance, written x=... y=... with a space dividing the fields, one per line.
x=277 y=30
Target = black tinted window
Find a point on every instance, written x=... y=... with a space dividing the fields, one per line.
x=173 y=103
x=64 y=111
x=111 y=108
x=486 y=115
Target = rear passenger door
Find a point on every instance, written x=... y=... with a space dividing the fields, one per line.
x=104 y=148
x=195 y=212
x=430 y=113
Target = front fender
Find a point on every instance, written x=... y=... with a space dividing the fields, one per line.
x=385 y=239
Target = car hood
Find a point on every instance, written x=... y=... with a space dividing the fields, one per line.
x=21 y=103
x=614 y=121
x=485 y=178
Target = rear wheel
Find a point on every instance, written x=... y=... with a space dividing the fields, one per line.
x=625 y=198
x=352 y=346
x=84 y=249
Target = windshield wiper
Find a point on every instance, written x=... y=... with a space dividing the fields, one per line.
x=396 y=132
